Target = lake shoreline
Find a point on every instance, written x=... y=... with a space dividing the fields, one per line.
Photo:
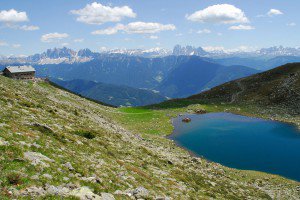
x=197 y=155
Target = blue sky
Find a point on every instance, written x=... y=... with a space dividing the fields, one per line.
x=32 y=26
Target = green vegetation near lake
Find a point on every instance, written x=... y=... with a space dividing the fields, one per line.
x=54 y=143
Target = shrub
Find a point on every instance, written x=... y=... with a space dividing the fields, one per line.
x=85 y=134
x=14 y=178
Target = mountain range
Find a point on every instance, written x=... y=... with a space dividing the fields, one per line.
x=197 y=75
x=173 y=76
x=66 y=55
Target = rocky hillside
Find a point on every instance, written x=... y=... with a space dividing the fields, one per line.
x=279 y=87
x=54 y=144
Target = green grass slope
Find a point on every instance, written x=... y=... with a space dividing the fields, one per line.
x=279 y=87
x=111 y=94
x=56 y=145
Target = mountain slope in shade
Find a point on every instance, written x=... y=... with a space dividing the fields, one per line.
x=278 y=87
x=131 y=71
x=259 y=63
x=111 y=94
x=197 y=75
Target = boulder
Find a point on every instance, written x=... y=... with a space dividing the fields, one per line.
x=200 y=111
x=37 y=158
x=186 y=120
x=140 y=192
x=107 y=196
x=84 y=193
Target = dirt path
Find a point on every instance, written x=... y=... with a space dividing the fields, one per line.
x=235 y=96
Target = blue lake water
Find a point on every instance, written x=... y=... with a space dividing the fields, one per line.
x=242 y=142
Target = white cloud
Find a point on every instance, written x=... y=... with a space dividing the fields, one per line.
x=13 y=16
x=143 y=27
x=136 y=28
x=3 y=44
x=153 y=37
x=220 y=13
x=242 y=48
x=109 y=31
x=16 y=46
x=53 y=37
x=273 y=12
x=103 y=49
x=29 y=28
x=291 y=24
x=65 y=44
x=241 y=27
x=178 y=34
x=97 y=13
x=213 y=48
x=79 y=40
x=204 y=31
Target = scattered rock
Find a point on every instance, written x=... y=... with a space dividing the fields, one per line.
x=79 y=142
x=37 y=158
x=48 y=176
x=3 y=142
x=140 y=192
x=200 y=111
x=84 y=193
x=52 y=190
x=36 y=145
x=92 y=179
x=33 y=191
x=43 y=128
x=35 y=177
x=69 y=166
x=107 y=196
x=186 y=120
x=162 y=198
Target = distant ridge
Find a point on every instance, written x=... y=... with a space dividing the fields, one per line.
x=115 y=95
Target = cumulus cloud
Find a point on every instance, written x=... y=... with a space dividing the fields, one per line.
x=53 y=37
x=213 y=48
x=242 y=48
x=97 y=13
x=3 y=44
x=220 y=13
x=291 y=24
x=153 y=37
x=204 y=31
x=65 y=44
x=241 y=27
x=143 y=27
x=136 y=28
x=29 y=28
x=12 y=16
x=109 y=31
x=78 y=40
x=16 y=46
x=273 y=12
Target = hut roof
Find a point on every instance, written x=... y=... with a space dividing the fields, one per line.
x=20 y=69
